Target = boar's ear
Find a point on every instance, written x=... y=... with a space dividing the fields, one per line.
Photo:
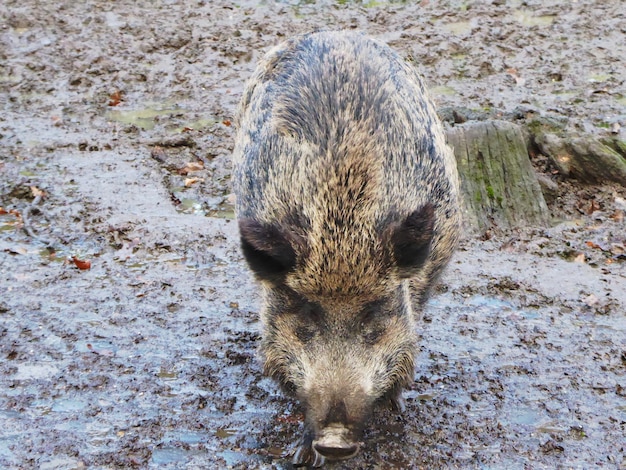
x=267 y=250
x=410 y=240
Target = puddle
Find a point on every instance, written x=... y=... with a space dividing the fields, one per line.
x=188 y=437
x=68 y=406
x=224 y=210
x=35 y=371
x=442 y=90
x=167 y=374
x=172 y=455
x=224 y=433
x=598 y=77
x=458 y=28
x=528 y=19
x=103 y=348
x=189 y=206
x=143 y=118
x=526 y=416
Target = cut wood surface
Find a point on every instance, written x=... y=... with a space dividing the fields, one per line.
x=498 y=183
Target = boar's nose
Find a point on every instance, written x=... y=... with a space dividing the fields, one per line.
x=336 y=450
x=335 y=442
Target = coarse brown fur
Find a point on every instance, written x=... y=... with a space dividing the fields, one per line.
x=347 y=200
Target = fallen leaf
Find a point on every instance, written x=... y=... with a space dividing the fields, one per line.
x=617 y=216
x=115 y=98
x=580 y=258
x=187 y=129
x=37 y=192
x=519 y=81
x=191 y=181
x=191 y=167
x=593 y=206
x=80 y=263
x=3 y=211
x=227 y=123
x=590 y=300
x=593 y=245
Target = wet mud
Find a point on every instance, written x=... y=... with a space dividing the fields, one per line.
x=115 y=138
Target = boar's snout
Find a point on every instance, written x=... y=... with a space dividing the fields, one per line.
x=337 y=432
x=335 y=442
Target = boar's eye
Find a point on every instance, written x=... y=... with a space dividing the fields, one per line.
x=310 y=312
x=373 y=336
x=373 y=319
x=305 y=333
x=309 y=320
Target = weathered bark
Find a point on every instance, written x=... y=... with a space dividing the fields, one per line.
x=587 y=159
x=498 y=183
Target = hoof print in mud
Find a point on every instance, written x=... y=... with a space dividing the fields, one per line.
x=347 y=201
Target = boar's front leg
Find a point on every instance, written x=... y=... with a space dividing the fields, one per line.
x=305 y=455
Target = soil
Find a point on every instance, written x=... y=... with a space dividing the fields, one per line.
x=115 y=139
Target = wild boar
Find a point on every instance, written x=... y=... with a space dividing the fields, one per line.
x=347 y=200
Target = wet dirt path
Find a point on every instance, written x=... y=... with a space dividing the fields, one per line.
x=147 y=360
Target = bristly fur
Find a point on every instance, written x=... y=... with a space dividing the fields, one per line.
x=347 y=199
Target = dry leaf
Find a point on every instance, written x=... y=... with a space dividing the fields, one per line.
x=191 y=167
x=580 y=258
x=593 y=245
x=593 y=206
x=227 y=123
x=617 y=216
x=115 y=98
x=191 y=181
x=591 y=300
x=80 y=263
x=37 y=192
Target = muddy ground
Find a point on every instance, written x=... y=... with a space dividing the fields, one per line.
x=115 y=138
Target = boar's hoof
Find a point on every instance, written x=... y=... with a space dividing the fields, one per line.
x=398 y=404
x=306 y=455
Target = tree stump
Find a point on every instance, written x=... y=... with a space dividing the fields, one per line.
x=498 y=184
